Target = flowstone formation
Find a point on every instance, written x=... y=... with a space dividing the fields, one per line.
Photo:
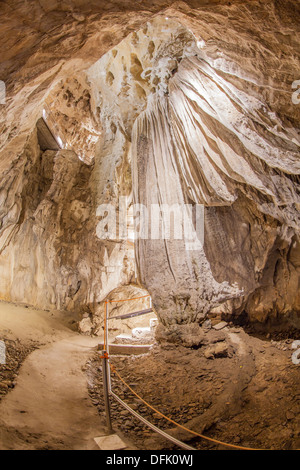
x=195 y=132
x=193 y=107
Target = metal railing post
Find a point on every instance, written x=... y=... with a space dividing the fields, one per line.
x=106 y=390
x=107 y=348
x=106 y=368
x=106 y=371
x=106 y=327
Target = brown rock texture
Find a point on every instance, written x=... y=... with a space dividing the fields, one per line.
x=194 y=106
x=92 y=323
x=50 y=255
x=226 y=389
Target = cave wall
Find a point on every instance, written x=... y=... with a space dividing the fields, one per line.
x=198 y=132
x=50 y=256
x=207 y=139
x=202 y=91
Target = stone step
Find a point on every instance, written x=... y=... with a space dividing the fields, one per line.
x=126 y=349
x=122 y=337
x=110 y=442
x=141 y=331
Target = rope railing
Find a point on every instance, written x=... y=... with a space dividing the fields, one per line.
x=105 y=341
x=113 y=369
x=109 y=367
x=179 y=443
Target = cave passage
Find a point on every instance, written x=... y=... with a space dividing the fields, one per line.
x=149 y=160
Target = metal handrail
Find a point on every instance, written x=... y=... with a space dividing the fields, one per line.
x=108 y=390
x=152 y=426
x=131 y=315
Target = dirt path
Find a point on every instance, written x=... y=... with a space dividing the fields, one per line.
x=49 y=408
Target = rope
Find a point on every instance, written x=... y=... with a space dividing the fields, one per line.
x=181 y=444
x=105 y=314
x=105 y=356
x=126 y=300
x=116 y=301
x=113 y=369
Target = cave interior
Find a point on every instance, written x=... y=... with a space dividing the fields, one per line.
x=149 y=152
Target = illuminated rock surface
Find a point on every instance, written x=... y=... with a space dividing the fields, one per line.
x=194 y=106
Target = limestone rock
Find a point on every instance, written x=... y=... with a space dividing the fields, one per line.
x=220 y=326
x=50 y=255
x=189 y=335
x=218 y=350
x=85 y=326
x=194 y=106
x=117 y=326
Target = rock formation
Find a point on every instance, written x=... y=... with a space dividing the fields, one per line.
x=194 y=106
x=50 y=255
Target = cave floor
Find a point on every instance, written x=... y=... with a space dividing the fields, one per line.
x=48 y=406
x=235 y=388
